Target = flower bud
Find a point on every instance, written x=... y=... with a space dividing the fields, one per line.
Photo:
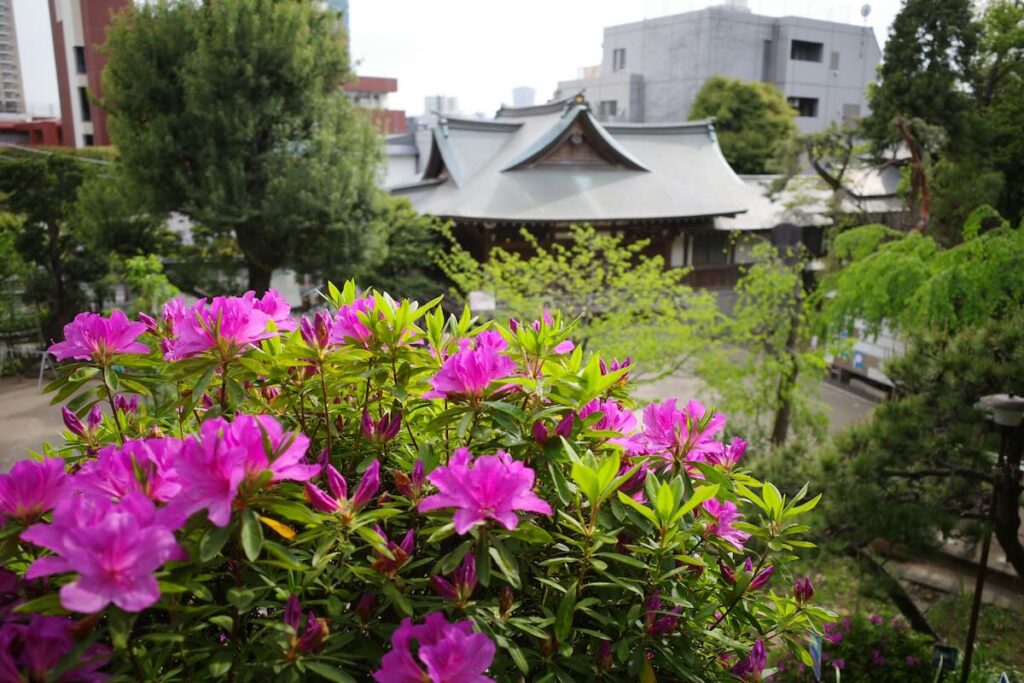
x=727 y=573
x=94 y=418
x=803 y=590
x=506 y=600
x=72 y=422
x=365 y=607
x=604 y=656
x=307 y=331
x=150 y=322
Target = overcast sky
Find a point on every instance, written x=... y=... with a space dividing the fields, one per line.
x=476 y=50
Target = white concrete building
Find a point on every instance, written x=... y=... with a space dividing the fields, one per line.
x=12 y=94
x=652 y=69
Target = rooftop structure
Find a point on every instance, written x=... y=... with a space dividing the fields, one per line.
x=652 y=69
x=549 y=166
x=371 y=93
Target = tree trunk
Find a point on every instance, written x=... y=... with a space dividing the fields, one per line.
x=1006 y=520
x=784 y=391
x=259 y=277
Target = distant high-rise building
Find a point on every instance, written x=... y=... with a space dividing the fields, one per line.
x=79 y=32
x=12 y=93
x=371 y=94
x=523 y=96
x=440 y=104
x=652 y=69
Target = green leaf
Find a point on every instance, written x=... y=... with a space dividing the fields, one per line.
x=506 y=563
x=48 y=604
x=220 y=664
x=222 y=620
x=241 y=598
x=398 y=599
x=702 y=494
x=530 y=533
x=213 y=542
x=84 y=373
x=329 y=672
x=642 y=509
x=772 y=499
x=252 y=535
x=563 y=617
x=110 y=377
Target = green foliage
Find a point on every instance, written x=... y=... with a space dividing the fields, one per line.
x=144 y=276
x=910 y=283
x=765 y=370
x=921 y=464
x=928 y=57
x=233 y=113
x=405 y=264
x=752 y=120
x=549 y=592
x=626 y=303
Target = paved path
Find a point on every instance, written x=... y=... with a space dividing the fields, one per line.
x=26 y=419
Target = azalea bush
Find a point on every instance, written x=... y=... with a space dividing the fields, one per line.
x=378 y=491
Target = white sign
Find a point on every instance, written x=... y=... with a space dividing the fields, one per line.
x=481 y=301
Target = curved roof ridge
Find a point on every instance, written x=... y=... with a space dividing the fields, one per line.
x=555 y=135
x=536 y=109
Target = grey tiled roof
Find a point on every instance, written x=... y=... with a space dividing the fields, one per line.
x=486 y=171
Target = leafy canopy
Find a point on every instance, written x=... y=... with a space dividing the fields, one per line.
x=752 y=120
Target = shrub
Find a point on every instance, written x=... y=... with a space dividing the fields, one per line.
x=379 y=490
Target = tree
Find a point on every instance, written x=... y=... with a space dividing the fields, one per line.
x=929 y=57
x=763 y=367
x=233 y=112
x=752 y=120
x=924 y=464
x=406 y=262
x=626 y=304
x=926 y=453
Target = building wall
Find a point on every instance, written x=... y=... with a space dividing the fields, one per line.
x=12 y=91
x=673 y=56
x=82 y=24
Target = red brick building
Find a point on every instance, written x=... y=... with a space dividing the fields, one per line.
x=79 y=30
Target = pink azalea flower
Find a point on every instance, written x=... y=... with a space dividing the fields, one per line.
x=685 y=435
x=614 y=418
x=316 y=332
x=348 y=327
x=90 y=336
x=727 y=456
x=493 y=488
x=227 y=325
x=226 y=456
x=140 y=466
x=383 y=430
x=275 y=306
x=29 y=652
x=113 y=547
x=174 y=312
x=660 y=623
x=31 y=488
x=468 y=372
x=724 y=514
x=340 y=503
x=447 y=653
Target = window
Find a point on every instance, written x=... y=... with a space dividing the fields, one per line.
x=89 y=140
x=833 y=62
x=712 y=249
x=607 y=109
x=804 y=51
x=80 y=59
x=805 y=106
x=618 y=59
x=851 y=112
x=767 y=62
x=83 y=100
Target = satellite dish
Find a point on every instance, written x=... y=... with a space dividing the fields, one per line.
x=865 y=11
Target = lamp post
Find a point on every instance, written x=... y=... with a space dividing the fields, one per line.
x=1007 y=413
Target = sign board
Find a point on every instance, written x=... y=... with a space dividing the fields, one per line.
x=945 y=658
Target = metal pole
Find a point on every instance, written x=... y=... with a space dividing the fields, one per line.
x=986 y=543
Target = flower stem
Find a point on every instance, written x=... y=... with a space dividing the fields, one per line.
x=113 y=408
x=223 y=388
x=327 y=415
